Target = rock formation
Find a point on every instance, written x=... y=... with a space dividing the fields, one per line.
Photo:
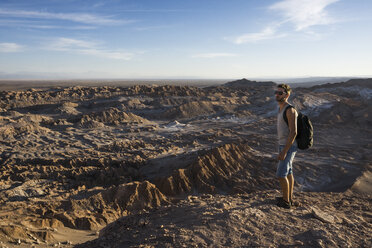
x=180 y=166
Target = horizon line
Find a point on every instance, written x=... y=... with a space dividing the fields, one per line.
x=179 y=78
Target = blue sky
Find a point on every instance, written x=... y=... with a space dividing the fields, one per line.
x=216 y=39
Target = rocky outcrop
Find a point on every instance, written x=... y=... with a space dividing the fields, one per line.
x=112 y=116
x=363 y=184
x=245 y=83
x=69 y=108
x=123 y=198
x=229 y=168
x=248 y=220
x=93 y=209
x=22 y=125
x=191 y=109
x=359 y=82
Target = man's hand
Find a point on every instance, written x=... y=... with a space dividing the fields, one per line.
x=282 y=155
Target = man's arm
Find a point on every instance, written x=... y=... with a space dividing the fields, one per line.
x=292 y=125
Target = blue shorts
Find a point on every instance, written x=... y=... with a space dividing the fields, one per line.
x=285 y=166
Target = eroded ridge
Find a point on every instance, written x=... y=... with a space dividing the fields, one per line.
x=75 y=159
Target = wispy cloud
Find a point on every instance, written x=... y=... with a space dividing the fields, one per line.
x=301 y=13
x=156 y=10
x=304 y=13
x=41 y=25
x=98 y=4
x=213 y=55
x=266 y=34
x=88 y=48
x=74 y=17
x=65 y=44
x=10 y=48
x=119 y=55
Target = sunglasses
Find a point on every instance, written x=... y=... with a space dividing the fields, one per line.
x=279 y=93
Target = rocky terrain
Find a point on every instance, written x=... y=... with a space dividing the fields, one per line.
x=181 y=166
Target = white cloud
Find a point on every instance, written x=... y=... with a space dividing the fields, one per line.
x=40 y=25
x=302 y=13
x=64 y=44
x=265 y=34
x=213 y=55
x=75 y=17
x=10 y=47
x=119 y=55
x=305 y=13
x=88 y=48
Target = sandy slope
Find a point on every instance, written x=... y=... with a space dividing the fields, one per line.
x=246 y=220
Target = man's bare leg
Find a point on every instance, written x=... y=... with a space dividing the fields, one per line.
x=290 y=179
x=284 y=184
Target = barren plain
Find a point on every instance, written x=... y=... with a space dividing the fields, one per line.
x=181 y=166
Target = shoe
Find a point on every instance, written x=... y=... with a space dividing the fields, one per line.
x=283 y=204
x=278 y=199
x=293 y=203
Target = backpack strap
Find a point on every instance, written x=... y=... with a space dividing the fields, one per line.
x=285 y=113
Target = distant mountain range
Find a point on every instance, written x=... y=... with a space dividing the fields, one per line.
x=295 y=82
x=311 y=81
x=58 y=77
x=241 y=83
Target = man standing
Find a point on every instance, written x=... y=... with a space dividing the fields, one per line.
x=287 y=145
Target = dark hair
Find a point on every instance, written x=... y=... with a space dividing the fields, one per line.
x=285 y=87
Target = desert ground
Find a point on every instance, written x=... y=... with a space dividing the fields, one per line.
x=181 y=166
